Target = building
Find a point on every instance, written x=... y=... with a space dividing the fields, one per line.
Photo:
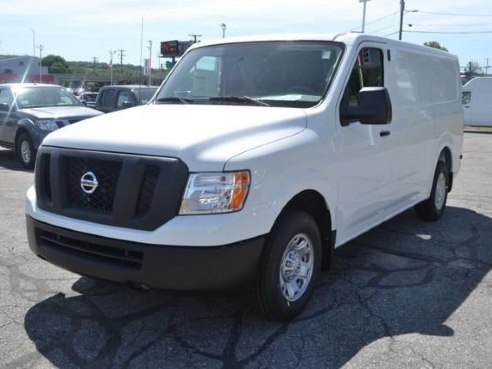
x=24 y=69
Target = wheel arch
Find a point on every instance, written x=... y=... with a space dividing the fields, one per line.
x=446 y=156
x=314 y=204
x=20 y=130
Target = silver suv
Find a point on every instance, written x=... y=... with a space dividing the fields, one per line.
x=29 y=112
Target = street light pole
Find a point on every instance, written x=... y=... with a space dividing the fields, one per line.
x=224 y=27
x=363 y=14
x=41 y=47
x=149 y=68
x=33 y=42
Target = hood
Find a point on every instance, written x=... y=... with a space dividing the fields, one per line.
x=203 y=136
x=60 y=112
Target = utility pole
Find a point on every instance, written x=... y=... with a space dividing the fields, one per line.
x=195 y=36
x=363 y=14
x=487 y=66
x=402 y=11
x=122 y=55
x=149 y=66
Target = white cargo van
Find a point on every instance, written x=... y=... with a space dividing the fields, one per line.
x=255 y=159
x=477 y=98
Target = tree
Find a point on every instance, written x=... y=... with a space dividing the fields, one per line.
x=55 y=64
x=472 y=69
x=435 y=45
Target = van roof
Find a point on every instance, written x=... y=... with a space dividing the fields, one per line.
x=349 y=38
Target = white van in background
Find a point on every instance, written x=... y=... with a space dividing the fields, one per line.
x=254 y=160
x=477 y=101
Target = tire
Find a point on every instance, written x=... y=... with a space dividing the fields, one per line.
x=25 y=151
x=287 y=276
x=433 y=208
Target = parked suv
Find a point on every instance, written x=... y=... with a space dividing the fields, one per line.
x=112 y=98
x=28 y=112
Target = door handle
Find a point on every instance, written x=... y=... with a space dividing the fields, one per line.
x=384 y=133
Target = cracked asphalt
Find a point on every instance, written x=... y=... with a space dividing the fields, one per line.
x=407 y=294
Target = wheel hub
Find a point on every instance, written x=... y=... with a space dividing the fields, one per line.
x=26 y=151
x=441 y=188
x=296 y=267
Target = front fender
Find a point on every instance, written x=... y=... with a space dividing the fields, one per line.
x=283 y=169
x=27 y=125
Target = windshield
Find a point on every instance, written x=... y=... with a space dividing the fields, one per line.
x=42 y=96
x=284 y=73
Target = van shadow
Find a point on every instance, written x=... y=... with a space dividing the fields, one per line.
x=405 y=276
x=8 y=160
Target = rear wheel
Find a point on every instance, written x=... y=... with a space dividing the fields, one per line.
x=290 y=267
x=433 y=208
x=25 y=151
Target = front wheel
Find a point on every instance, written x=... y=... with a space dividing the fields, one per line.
x=433 y=208
x=290 y=267
x=25 y=151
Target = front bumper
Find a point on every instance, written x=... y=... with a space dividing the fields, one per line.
x=182 y=268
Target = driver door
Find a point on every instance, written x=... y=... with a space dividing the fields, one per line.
x=365 y=154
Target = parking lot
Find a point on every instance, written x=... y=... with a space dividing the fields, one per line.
x=407 y=294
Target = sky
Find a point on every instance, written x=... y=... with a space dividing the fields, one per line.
x=84 y=30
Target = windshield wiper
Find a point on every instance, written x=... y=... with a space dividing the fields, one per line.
x=174 y=99
x=238 y=99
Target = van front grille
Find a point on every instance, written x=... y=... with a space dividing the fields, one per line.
x=106 y=172
x=132 y=191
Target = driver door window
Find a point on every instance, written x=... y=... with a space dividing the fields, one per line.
x=366 y=72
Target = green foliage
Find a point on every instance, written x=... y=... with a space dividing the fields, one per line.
x=55 y=64
x=473 y=69
x=126 y=73
x=435 y=45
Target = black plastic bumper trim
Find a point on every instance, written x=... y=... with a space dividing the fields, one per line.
x=183 y=268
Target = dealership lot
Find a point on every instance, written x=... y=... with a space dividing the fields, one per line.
x=407 y=294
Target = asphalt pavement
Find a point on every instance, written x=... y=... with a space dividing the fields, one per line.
x=407 y=294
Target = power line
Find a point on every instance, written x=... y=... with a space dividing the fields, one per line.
x=449 y=24
x=382 y=29
x=380 y=19
x=457 y=14
x=374 y=21
x=451 y=32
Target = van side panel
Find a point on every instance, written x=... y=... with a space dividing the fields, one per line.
x=413 y=124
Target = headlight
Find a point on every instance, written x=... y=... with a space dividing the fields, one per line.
x=208 y=193
x=46 y=124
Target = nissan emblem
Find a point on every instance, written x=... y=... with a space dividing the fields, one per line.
x=88 y=182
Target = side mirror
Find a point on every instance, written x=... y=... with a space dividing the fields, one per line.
x=374 y=107
x=4 y=107
x=128 y=104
